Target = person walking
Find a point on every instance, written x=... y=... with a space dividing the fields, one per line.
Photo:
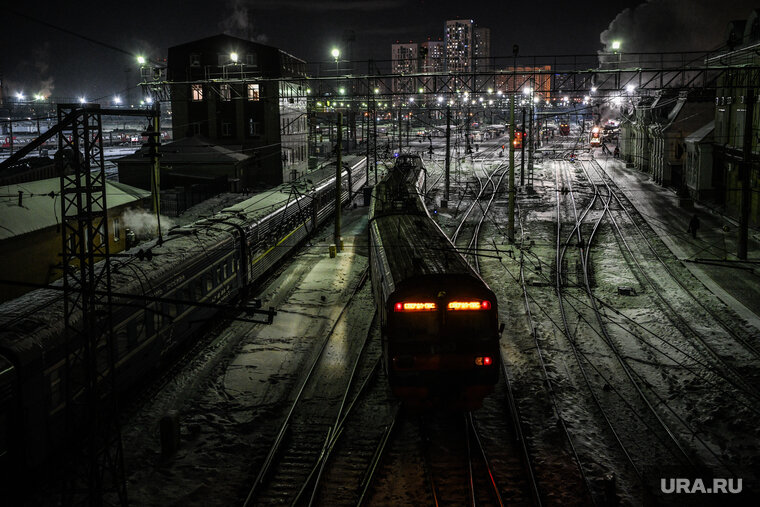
x=693 y=226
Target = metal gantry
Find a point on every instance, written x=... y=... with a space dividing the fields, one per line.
x=95 y=467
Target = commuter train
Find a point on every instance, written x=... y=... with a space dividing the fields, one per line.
x=215 y=260
x=564 y=129
x=439 y=319
x=595 y=137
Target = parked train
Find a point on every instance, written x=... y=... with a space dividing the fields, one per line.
x=564 y=129
x=439 y=319
x=595 y=137
x=214 y=260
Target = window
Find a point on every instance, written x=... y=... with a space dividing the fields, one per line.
x=227 y=129
x=250 y=59
x=116 y=229
x=253 y=127
x=253 y=92
x=197 y=92
x=224 y=91
x=222 y=59
x=195 y=60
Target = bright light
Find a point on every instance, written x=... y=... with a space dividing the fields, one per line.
x=335 y=53
x=616 y=45
x=629 y=88
x=527 y=90
x=411 y=99
x=308 y=91
x=39 y=96
x=234 y=57
x=20 y=95
x=490 y=90
x=439 y=99
x=535 y=100
x=415 y=307
x=342 y=91
x=141 y=60
x=481 y=99
x=593 y=89
x=149 y=100
x=377 y=90
x=421 y=90
x=567 y=99
x=469 y=305
x=82 y=100
x=117 y=100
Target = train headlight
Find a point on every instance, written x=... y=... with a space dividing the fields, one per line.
x=470 y=305
x=414 y=306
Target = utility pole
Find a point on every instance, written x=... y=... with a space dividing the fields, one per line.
x=445 y=201
x=522 y=151
x=154 y=141
x=511 y=186
x=745 y=174
x=399 y=127
x=338 y=190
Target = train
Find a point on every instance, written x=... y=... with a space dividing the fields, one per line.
x=438 y=318
x=564 y=129
x=213 y=262
x=595 y=137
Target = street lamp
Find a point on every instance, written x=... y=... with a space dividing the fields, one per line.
x=616 y=45
x=141 y=60
x=234 y=57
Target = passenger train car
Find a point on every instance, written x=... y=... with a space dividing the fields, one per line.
x=215 y=260
x=439 y=323
x=595 y=137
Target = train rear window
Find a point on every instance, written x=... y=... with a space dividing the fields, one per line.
x=476 y=325
x=415 y=326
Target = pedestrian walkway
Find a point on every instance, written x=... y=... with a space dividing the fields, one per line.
x=711 y=256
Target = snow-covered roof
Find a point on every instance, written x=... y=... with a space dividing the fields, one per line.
x=700 y=134
x=41 y=204
x=191 y=150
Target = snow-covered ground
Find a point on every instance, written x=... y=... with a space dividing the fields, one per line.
x=237 y=387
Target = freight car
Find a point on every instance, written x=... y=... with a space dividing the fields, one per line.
x=214 y=260
x=439 y=319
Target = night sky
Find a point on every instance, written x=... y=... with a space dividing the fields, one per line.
x=37 y=58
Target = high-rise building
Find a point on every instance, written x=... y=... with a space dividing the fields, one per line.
x=460 y=44
x=482 y=48
x=433 y=54
x=405 y=59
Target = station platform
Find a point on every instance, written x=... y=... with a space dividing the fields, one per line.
x=711 y=256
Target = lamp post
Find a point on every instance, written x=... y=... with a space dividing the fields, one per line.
x=338 y=162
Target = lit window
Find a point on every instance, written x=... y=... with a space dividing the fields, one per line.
x=197 y=92
x=253 y=92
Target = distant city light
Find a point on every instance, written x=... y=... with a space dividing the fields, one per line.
x=499 y=92
x=490 y=90
x=411 y=99
x=141 y=60
x=527 y=90
x=439 y=99
x=234 y=57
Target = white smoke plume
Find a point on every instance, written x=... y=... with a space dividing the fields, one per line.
x=144 y=223
x=674 y=25
x=240 y=23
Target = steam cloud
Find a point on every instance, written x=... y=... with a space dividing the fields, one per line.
x=240 y=23
x=144 y=224
x=675 y=25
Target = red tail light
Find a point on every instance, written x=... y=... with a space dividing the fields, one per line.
x=415 y=306
x=483 y=361
x=469 y=305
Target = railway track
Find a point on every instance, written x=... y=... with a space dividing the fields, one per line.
x=293 y=469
